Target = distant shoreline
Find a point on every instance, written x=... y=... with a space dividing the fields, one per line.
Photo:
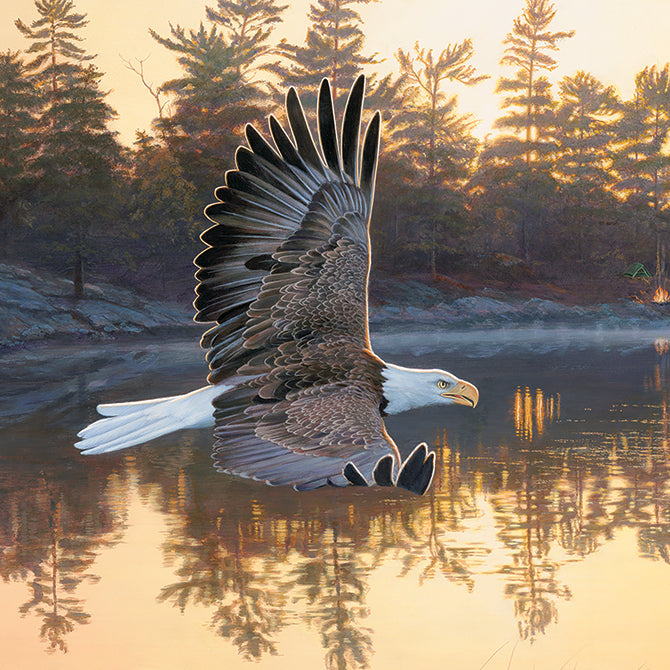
x=37 y=307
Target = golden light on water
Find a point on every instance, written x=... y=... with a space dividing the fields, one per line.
x=534 y=413
x=232 y=572
x=527 y=556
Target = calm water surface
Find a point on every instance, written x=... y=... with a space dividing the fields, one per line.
x=544 y=542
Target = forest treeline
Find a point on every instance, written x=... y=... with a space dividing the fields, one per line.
x=573 y=179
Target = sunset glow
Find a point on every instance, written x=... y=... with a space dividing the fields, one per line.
x=602 y=28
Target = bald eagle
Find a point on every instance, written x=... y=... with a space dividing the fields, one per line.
x=296 y=395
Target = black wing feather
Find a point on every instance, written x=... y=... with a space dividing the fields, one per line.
x=327 y=131
x=369 y=160
x=284 y=145
x=301 y=132
x=351 y=129
x=261 y=147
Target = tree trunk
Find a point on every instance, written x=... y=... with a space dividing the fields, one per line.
x=523 y=235
x=660 y=262
x=78 y=275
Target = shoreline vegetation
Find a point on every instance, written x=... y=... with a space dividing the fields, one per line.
x=571 y=185
x=38 y=307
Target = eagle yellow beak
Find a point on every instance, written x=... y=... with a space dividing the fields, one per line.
x=464 y=394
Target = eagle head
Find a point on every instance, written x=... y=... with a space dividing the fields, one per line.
x=409 y=388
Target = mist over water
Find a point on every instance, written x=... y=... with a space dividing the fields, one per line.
x=544 y=540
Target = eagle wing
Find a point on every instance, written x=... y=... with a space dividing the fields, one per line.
x=285 y=278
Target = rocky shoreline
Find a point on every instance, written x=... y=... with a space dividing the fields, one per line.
x=483 y=312
x=37 y=307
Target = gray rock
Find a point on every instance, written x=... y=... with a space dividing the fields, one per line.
x=36 y=306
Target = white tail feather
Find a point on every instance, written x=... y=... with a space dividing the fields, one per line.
x=131 y=423
x=120 y=408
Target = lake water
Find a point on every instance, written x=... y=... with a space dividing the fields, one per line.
x=543 y=543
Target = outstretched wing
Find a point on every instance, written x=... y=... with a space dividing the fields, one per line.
x=285 y=278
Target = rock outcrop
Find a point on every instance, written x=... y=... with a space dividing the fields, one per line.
x=36 y=306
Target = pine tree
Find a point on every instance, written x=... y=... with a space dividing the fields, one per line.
x=642 y=164
x=54 y=39
x=161 y=199
x=79 y=154
x=643 y=131
x=333 y=49
x=435 y=139
x=248 y=25
x=585 y=143
x=212 y=102
x=527 y=93
x=585 y=129
x=516 y=166
x=19 y=103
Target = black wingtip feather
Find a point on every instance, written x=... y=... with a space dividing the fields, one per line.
x=284 y=145
x=424 y=480
x=261 y=147
x=412 y=467
x=351 y=128
x=353 y=475
x=370 y=153
x=300 y=130
x=416 y=473
x=327 y=130
x=383 y=473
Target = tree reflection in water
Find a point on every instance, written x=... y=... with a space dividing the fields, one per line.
x=50 y=536
x=538 y=482
x=264 y=558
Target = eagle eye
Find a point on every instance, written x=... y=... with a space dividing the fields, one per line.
x=442 y=384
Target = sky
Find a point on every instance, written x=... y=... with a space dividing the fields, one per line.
x=614 y=39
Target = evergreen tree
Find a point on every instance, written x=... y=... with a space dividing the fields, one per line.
x=516 y=165
x=333 y=49
x=642 y=165
x=79 y=154
x=585 y=129
x=643 y=131
x=212 y=104
x=527 y=94
x=248 y=25
x=164 y=216
x=19 y=103
x=436 y=140
x=583 y=163
x=54 y=39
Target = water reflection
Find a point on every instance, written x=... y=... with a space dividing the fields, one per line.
x=533 y=413
x=50 y=537
x=268 y=561
x=541 y=481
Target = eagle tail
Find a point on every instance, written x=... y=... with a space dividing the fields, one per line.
x=127 y=424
